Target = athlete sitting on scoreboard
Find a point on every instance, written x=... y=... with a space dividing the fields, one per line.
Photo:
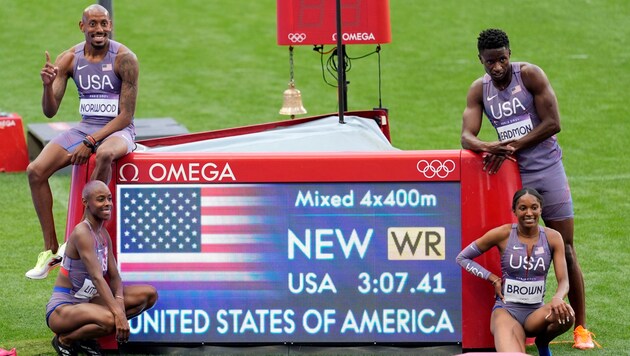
x=83 y=306
x=527 y=250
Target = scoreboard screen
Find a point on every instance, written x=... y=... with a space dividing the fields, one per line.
x=296 y=262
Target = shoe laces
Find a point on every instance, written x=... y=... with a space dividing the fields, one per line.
x=583 y=335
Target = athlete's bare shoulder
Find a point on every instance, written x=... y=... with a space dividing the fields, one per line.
x=475 y=92
x=531 y=70
x=552 y=234
x=126 y=65
x=65 y=60
x=534 y=77
x=126 y=53
x=477 y=82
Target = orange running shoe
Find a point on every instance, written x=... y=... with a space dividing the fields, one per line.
x=583 y=339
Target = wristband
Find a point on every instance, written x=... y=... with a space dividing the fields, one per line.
x=89 y=145
x=91 y=139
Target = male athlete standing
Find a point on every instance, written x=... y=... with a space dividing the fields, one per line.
x=520 y=103
x=106 y=75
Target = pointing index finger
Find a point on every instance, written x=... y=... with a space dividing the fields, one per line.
x=47 y=57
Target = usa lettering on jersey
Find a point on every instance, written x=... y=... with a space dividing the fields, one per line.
x=95 y=82
x=506 y=108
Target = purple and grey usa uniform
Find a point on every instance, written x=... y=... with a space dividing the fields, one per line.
x=83 y=290
x=513 y=114
x=99 y=98
x=524 y=274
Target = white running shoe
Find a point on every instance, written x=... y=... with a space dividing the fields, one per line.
x=46 y=261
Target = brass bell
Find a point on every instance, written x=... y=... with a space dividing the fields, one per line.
x=292 y=104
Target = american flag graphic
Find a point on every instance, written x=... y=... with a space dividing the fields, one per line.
x=106 y=67
x=516 y=89
x=199 y=237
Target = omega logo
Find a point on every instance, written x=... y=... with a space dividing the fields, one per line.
x=123 y=177
x=179 y=172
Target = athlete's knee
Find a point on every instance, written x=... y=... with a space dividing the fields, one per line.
x=36 y=173
x=143 y=298
x=561 y=325
x=152 y=297
x=107 y=323
x=104 y=157
x=32 y=172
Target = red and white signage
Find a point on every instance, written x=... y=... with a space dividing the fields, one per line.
x=314 y=22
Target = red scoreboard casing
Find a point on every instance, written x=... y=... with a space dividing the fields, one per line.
x=13 y=152
x=313 y=22
x=484 y=199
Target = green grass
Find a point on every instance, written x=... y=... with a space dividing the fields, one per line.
x=215 y=64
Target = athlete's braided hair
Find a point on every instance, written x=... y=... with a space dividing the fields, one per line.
x=526 y=190
x=492 y=38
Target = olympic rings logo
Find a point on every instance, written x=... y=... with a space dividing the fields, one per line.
x=296 y=37
x=435 y=168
